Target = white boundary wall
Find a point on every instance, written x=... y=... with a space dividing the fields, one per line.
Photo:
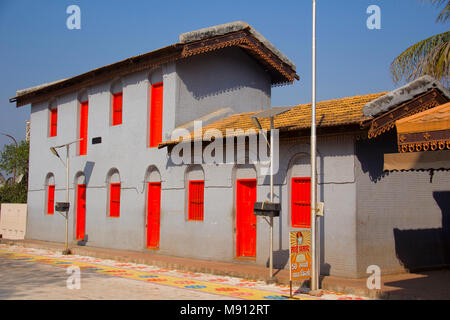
x=13 y=220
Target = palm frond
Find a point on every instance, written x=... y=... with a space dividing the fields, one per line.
x=445 y=13
x=427 y=57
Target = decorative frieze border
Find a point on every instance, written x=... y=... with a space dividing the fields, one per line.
x=386 y=122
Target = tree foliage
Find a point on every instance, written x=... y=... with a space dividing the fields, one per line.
x=427 y=57
x=15 y=157
x=445 y=13
x=14 y=193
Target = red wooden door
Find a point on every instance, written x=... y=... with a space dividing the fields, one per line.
x=153 y=214
x=245 y=219
x=81 y=211
x=156 y=114
x=301 y=203
x=83 y=126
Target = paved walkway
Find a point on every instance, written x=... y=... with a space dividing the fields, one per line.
x=25 y=277
x=28 y=273
x=425 y=285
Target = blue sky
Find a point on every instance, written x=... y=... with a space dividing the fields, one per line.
x=36 y=46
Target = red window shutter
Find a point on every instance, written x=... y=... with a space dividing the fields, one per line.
x=51 y=199
x=83 y=127
x=196 y=200
x=117 y=108
x=53 y=122
x=114 y=204
x=156 y=113
x=301 y=203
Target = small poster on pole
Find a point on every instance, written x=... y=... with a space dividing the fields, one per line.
x=300 y=255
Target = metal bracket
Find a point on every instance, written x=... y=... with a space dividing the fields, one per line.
x=265 y=218
x=319 y=209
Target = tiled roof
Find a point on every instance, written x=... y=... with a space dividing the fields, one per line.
x=329 y=113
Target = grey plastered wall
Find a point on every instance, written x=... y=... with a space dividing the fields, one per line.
x=402 y=217
x=242 y=85
x=221 y=79
x=124 y=148
x=215 y=237
x=336 y=188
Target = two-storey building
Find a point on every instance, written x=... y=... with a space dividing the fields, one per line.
x=128 y=192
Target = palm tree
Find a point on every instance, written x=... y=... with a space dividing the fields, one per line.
x=427 y=57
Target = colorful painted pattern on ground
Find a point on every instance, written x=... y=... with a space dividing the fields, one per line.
x=207 y=283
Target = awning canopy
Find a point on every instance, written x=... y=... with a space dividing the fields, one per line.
x=427 y=130
x=417 y=161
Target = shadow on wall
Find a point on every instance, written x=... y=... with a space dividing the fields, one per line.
x=370 y=153
x=280 y=259
x=88 y=168
x=83 y=242
x=219 y=74
x=424 y=248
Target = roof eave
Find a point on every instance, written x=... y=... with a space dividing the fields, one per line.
x=281 y=73
x=132 y=64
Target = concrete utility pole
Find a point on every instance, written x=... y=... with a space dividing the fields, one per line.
x=314 y=266
x=53 y=150
x=271 y=197
x=270 y=114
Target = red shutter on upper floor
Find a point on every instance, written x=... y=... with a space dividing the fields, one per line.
x=114 y=204
x=156 y=114
x=196 y=200
x=53 y=122
x=301 y=203
x=84 y=109
x=117 y=108
x=51 y=199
